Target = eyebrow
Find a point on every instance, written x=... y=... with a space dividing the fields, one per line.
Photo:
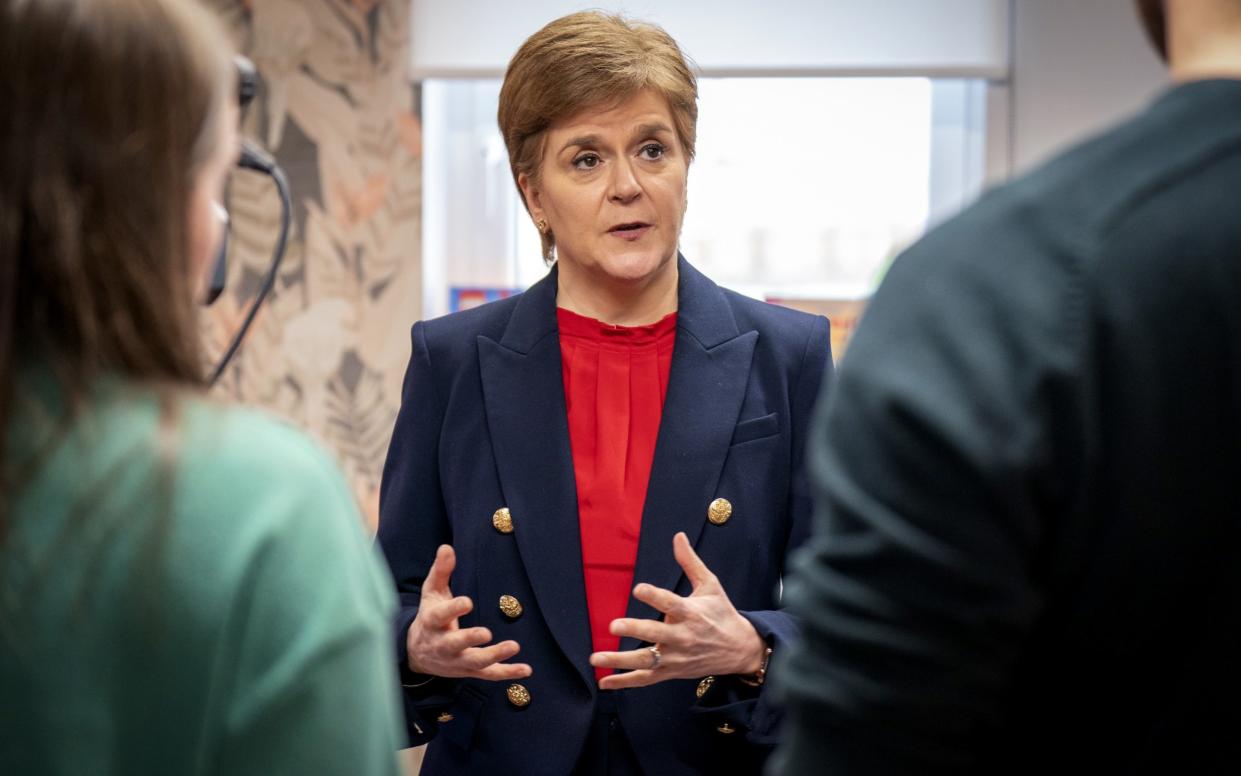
x=643 y=130
x=582 y=141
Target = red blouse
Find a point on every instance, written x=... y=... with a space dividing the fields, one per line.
x=615 y=380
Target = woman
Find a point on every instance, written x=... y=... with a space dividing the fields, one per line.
x=623 y=421
x=184 y=586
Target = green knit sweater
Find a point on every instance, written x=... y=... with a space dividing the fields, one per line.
x=189 y=596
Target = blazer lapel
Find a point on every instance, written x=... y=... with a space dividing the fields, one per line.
x=524 y=399
x=706 y=387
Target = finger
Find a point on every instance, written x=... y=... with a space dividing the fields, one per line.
x=665 y=601
x=444 y=614
x=695 y=570
x=645 y=630
x=478 y=658
x=502 y=672
x=459 y=641
x=630 y=660
x=437 y=578
x=631 y=679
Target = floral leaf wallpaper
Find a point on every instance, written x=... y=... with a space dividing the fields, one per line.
x=339 y=113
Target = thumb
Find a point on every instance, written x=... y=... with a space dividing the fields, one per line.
x=436 y=582
x=695 y=570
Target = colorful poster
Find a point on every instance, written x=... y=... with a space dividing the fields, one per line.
x=465 y=297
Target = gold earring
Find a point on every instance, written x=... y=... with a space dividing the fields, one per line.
x=541 y=225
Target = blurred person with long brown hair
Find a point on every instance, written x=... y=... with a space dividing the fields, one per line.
x=185 y=587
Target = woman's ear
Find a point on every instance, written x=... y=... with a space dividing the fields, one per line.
x=530 y=194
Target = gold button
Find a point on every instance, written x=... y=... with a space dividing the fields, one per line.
x=503 y=520
x=719 y=511
x=704 y=685
x=726 y=729
x=518 y=695
x=510 y=606
x=444 y=717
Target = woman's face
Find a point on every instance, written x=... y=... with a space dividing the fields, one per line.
x=612 y=189
x=205 y=226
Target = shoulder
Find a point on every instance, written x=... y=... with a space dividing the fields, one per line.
x=134 y=434
x=455 y=336
x=262 y=505
x=249 y=446
x=485 y=319
x=229 y=495
x=1063 y=215
x=1033 y=251
x=251 y=480
x=786 y=332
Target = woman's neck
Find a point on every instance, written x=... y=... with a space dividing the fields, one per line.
x=620 y=304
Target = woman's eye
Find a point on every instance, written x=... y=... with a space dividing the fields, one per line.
x=586 y=162
x=652 y=151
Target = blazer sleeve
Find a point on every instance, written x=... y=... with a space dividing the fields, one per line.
x=918 y=589
x=413 y=523
x=755 y=710
x=308 y=689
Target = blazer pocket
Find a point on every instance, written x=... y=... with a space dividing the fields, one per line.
x=457 y=725
x=756 y=428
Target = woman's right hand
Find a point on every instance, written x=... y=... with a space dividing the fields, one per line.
x=438 y=647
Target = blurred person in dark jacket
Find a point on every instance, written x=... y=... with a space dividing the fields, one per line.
x=1029 y=470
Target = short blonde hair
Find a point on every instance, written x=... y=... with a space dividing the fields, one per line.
x=581 y=61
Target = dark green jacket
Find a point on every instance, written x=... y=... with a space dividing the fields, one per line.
x=1029 y=478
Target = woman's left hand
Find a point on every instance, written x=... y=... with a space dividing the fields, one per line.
x=701 y=634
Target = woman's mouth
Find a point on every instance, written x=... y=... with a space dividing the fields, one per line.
x=631 y=231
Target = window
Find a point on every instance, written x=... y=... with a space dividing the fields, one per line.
x=802 y=189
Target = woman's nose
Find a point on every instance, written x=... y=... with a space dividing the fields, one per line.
x=624 y=184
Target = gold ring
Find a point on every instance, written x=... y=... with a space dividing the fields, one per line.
x=656 y=656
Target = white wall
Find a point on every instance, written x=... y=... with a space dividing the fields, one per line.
x=825 y=37
x=1078 y=66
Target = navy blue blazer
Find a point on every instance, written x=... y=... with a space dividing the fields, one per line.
x=482 y=425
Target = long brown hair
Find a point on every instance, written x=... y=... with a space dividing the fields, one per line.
x=110 y=109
